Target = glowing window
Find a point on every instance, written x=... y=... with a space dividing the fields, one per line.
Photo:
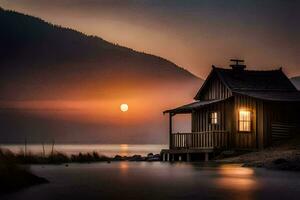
x=214 y=118
x=244 y=121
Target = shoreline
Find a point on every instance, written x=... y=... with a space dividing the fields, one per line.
x=285 y=163
x=283 y=156
x=19 y=177
x=16 y=177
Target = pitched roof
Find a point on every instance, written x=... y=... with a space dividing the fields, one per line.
x=248 y=81
x=188 y=108
x=271 y=85
x=255 y=80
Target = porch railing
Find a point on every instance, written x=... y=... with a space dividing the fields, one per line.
x=200 y=140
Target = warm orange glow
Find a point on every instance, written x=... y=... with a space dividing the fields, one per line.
x=214 y=118
x=124 y=168
x=101 y=115
x=244 y=120
x=236 y=178
x=235 y=171
x=124 y=149
x=124 y=107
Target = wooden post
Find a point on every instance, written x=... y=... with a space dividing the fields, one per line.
x=25 y=148
x=188 y=157
x=52 y=149
x=206 y=157
x=170 y=131
x=43 y=150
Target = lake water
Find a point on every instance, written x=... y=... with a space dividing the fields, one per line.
x=103 y=149
x=158 y=180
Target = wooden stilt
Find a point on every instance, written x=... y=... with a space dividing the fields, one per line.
x=206 y=157
x=25 y=148
x=188 y=157
x=170 y=131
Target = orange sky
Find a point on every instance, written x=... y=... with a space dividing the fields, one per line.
x=93 y=121
x=192 y=34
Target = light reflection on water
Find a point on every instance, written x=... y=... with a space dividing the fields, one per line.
x=157 y=180
x=124 y=168
x=238 y=179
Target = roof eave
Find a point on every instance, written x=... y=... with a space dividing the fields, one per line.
x=186 y=109
x=266 y=99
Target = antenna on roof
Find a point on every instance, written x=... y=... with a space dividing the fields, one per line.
x=237 y=64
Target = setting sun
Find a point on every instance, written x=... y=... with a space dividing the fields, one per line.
x=124 y=107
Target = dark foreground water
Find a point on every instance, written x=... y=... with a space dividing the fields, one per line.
x=143 y=180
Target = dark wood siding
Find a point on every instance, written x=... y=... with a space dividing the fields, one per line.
x=281 y=131
x=260 y=125
x=267 y=118
x=215 y=89
x=280 y=118
x=201 y=118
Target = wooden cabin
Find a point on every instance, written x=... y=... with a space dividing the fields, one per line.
x=236 y=109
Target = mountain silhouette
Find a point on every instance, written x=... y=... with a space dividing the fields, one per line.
x=37 y=57
x=47 y=71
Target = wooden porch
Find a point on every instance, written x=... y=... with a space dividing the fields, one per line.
x=186 y=144
x=200 y=140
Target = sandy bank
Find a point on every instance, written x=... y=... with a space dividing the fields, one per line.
x=283 y=156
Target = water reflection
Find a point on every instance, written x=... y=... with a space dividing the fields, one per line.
x=124 y=168
x=159 y=180
x=238 y=180
x=235 y=170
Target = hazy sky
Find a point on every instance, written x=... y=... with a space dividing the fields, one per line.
x=192 y=33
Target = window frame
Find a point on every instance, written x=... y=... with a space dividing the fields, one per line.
x=245 y=121
x=211 y=118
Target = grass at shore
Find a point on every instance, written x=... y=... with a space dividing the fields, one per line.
x=14 y=176
x=60 y=158
x=53 y=158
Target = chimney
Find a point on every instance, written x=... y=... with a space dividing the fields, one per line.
x=237 y=66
